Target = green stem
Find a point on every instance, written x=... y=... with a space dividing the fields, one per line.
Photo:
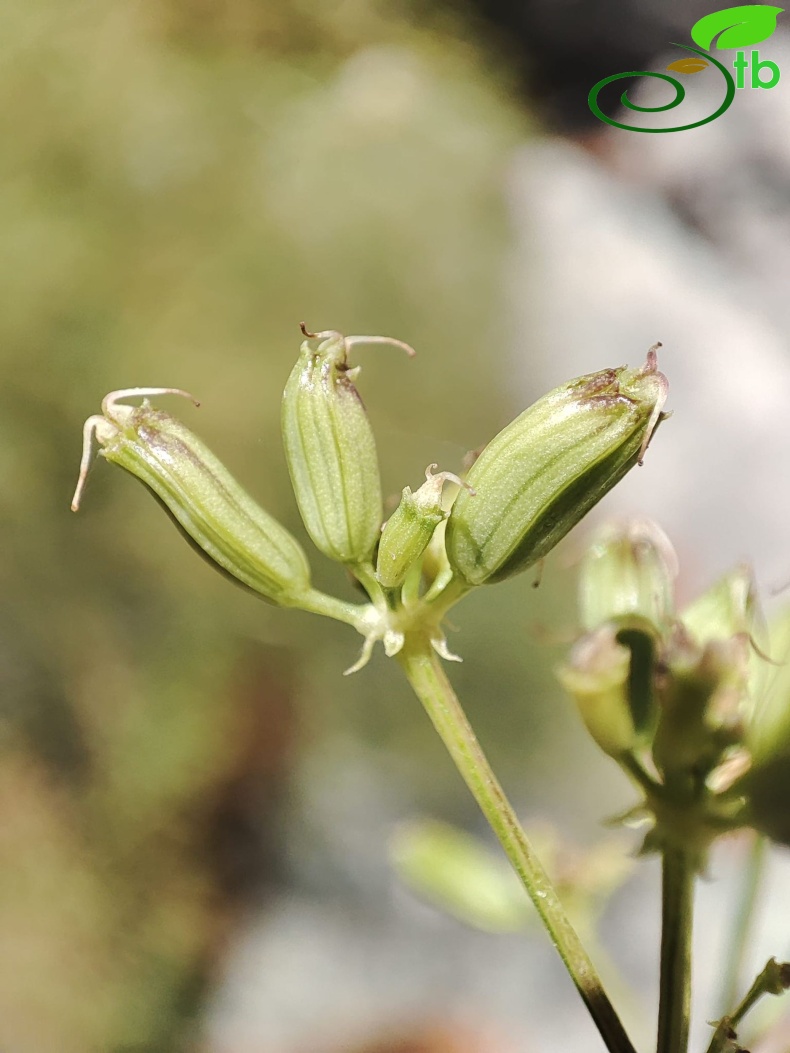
x=773 y=980
x=674 y=1009
x=410 y=591
x=747 y=899
x=431 y=686
x=365 y=574
x=444 y=594
x=330 y=607
x=631 y=764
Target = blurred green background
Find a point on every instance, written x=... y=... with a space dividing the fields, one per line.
x=183 y=183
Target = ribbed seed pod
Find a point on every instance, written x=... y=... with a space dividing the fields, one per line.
x=767 y=785
x=626 y=587
x=410 y=528
x=701 y=694
x=548 y=468
x=331 y=451
x=628 y=577
x=729 y=608
x=596 y=677
x=213 y=511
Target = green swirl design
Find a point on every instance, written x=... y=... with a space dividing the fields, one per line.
x=680 y=94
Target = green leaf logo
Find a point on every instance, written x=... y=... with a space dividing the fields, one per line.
x=736 y=27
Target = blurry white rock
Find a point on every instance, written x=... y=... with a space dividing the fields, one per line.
x=683 y=238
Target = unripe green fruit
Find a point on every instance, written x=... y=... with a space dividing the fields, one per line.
x=331 y=451
x=596 y=677
x=214 y=512
x=547 y=469
x=627 y=577
x=411 y=526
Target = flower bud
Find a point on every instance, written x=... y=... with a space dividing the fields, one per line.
x=330 y=449
x=410 y=528
x=709 y=662
x=548 y=468
x=214 y=512
x=627 y=577
x=729 y=608
x=769 y=727
x=597 y=679
x=701 y=699
x=767 y=784
x=627 y=583
x=767 y=789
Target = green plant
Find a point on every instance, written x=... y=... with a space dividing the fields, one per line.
x=665 y=694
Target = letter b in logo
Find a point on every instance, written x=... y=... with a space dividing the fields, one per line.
x=757 y=69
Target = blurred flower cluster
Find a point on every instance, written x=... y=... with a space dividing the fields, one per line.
x=693 y=703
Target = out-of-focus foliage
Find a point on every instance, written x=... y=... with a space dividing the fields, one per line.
x=459 y=874
x=182 y=183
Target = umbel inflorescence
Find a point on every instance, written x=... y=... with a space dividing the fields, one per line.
x=686 y=702
x=529 y=486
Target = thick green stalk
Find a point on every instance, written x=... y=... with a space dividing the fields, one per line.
x=677 y=900
x=432 y=687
